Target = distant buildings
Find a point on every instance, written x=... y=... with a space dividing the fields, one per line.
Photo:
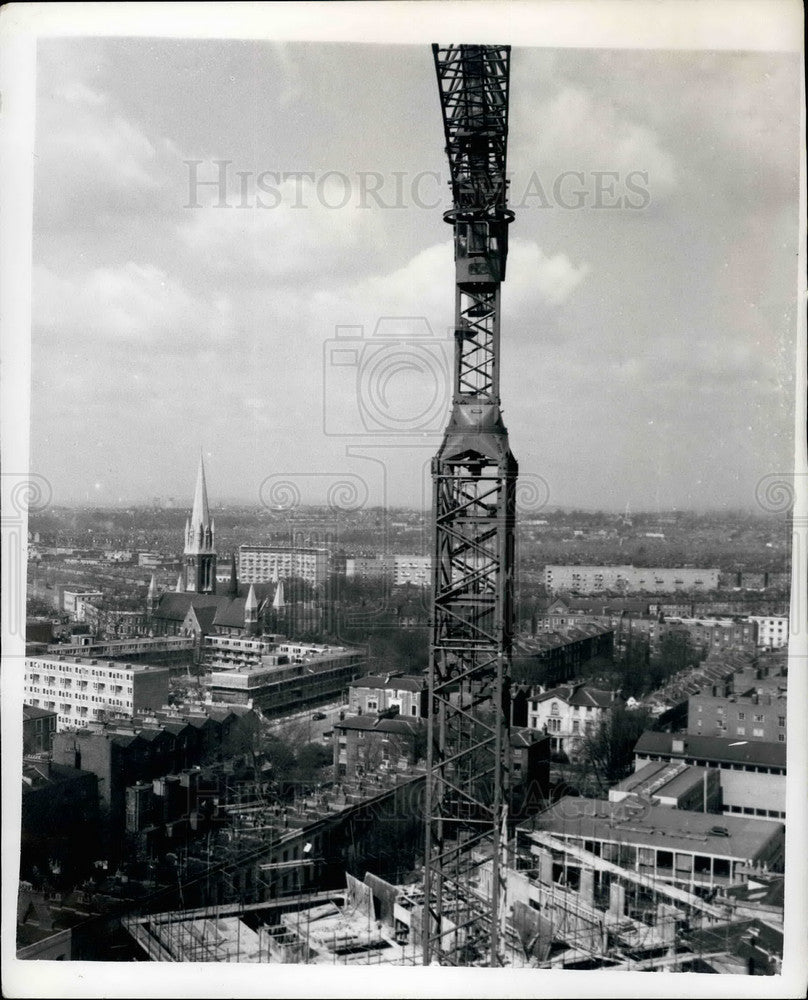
x=400 y=569
x=627 y=579
x=270 y=563
x=74 y=602
x=83 y=690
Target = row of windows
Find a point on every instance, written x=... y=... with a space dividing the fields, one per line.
x=698 y=762
x=748 y=811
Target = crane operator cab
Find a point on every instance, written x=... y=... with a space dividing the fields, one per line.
x=481 y=249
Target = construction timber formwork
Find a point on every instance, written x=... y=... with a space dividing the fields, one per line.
x=474 y=486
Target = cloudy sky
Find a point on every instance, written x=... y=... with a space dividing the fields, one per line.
x=648 y=317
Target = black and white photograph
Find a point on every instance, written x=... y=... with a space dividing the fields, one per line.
x=404 y=499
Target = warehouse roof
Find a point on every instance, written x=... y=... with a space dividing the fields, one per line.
x=737 y=837
x=713 y=748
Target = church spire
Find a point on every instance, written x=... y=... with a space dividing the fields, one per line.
x=233 y=588
x=200 y=547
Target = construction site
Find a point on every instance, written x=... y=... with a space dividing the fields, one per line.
x=626 y=885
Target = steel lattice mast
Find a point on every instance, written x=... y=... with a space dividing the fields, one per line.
x=474 y=485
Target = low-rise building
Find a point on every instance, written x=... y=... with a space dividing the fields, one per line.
x=553 y=657
x=59 y=818
x=150 y=747
x=674 y=784
x=38 y=726
x=772 y=630
x=375 y=694
x=82 y=690
x=752 y=716
x=366 y=744
x=676 y=847
x=752 y=773
x=712 y=634
x=74 y=602
x=570 y=713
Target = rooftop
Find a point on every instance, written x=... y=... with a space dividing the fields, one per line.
x=714 y=748
x=399 y=682
x=737 y=837
x=662 y=778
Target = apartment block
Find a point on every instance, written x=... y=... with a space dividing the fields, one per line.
x=270 y=563
x=83 y=690
x=628 y=579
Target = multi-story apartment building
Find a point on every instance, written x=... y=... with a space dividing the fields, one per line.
x=752 y=773
x=628 y=579
x=308 y=675
x=270 y=563
x=416 y=570
x=173 y=649
x=570 y=713
x=370 y=694
x=751 y=716
x=368 y=567
x=401 y=569
x=772 y=630
x=82 y=690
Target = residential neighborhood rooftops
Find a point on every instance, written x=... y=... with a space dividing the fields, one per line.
x=582 y=695
x=399 y=682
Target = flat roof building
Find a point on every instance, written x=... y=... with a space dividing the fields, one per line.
x=752 y=773
x=82 y=690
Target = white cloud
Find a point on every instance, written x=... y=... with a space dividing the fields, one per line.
x=133 y=306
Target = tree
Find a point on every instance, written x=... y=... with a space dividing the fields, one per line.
x=607 y=754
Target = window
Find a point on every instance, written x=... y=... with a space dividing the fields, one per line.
x=741 y=716
x=781 y=721
x=554 y=708
x=576 y=726
x=757 y=732
x=740 y=731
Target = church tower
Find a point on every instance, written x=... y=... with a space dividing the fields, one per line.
x=199 y=557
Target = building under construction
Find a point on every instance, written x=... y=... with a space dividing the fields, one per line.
x=577 y=886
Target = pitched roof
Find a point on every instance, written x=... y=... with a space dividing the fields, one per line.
x=174 y=607
x=32 y=712
x=382 y=725
x=400 y=682
x=581 y=695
